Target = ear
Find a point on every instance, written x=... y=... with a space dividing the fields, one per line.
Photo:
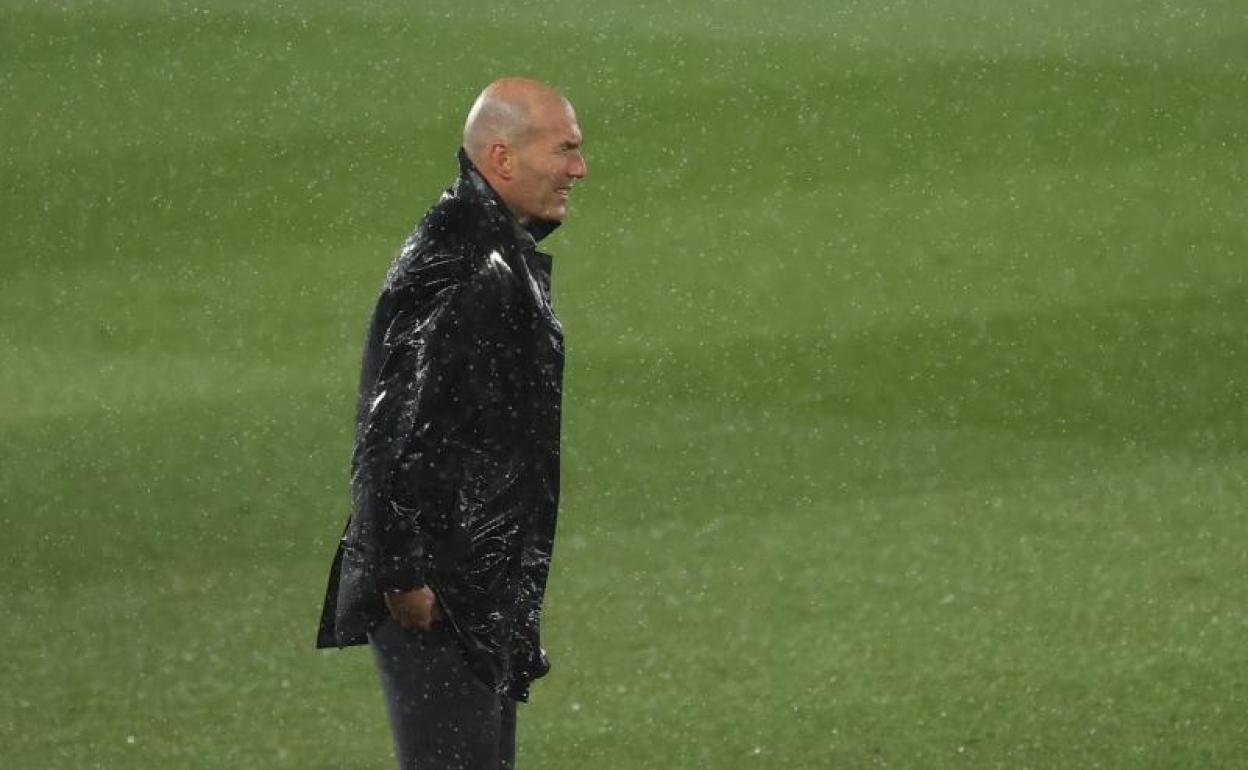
x=500 y=160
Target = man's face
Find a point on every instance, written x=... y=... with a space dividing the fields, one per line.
x=547 y=163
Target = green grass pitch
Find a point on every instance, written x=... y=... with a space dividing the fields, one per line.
x=906 y=395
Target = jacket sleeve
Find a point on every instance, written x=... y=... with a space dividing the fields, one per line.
x=407 y=458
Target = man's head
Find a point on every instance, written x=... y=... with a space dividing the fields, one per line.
x=522 y=136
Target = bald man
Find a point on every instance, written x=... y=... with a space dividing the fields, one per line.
x=455 y=474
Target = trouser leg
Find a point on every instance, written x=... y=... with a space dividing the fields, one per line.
x=507 y=734
x=441 y=716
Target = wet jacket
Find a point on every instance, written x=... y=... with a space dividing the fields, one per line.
x=455 y=472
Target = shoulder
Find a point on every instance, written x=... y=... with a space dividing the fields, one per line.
x=443 y=250
x=451 y=223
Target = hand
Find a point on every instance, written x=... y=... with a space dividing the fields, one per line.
x=414 y=610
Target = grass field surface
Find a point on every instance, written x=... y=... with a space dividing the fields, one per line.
x=905 y=418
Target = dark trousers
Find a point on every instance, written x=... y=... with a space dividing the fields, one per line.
x=442 y=717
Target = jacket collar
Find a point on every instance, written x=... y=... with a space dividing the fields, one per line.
x=472 y=184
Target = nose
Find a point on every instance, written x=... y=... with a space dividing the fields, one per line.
x=578 y=168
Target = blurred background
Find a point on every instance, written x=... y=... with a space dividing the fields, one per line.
x=905 y=403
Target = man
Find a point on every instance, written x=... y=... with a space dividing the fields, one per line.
x=455 y=473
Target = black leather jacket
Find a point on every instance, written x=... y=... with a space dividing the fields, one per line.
x=455 y=473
